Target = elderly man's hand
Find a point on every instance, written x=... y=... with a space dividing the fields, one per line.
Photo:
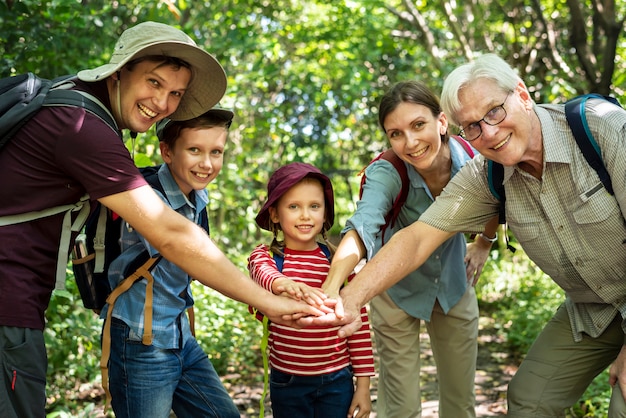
x=345 y=313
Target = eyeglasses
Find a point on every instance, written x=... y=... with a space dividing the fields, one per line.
x=495 y=116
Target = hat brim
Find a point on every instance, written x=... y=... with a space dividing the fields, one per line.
x=206 y=87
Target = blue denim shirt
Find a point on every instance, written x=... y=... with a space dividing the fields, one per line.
x=172 y=291
x=442 y=277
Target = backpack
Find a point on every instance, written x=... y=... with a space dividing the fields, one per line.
x=577 y=121
x=21 y=97
x=392 y=157
x=99 y=245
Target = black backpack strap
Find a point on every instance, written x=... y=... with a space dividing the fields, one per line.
x=495 y=176
x=575 y=115
x=76 y=98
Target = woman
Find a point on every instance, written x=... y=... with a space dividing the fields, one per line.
x=440 y=292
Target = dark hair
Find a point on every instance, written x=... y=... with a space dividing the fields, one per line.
x=172 y=130
x=163 y=60
x=409 y=92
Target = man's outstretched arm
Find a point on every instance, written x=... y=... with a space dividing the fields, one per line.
x=407 y=250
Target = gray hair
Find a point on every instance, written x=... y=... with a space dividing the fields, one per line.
x=488 y=66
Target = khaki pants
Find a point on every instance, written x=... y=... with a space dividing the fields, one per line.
x=453 y=338
x=557 y=371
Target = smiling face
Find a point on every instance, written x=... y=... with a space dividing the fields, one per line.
x=414 y=134
x=301 y=212
x=514 y=140
x=196 y=157
x=149 y=92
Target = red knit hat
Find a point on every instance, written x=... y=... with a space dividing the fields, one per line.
x=284 y=179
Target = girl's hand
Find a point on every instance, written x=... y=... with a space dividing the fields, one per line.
x=299 y=291
x=361 y=404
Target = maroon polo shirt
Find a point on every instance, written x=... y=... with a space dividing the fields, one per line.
x=59 y=155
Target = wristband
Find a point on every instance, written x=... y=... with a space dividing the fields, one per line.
x=486 y=238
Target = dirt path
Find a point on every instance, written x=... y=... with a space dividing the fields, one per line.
x=494 y=370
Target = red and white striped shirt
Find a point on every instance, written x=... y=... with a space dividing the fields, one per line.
x=311 y=350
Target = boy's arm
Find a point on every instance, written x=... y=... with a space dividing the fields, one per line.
x=188 y=246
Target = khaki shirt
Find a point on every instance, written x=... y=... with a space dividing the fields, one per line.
x=567 y=223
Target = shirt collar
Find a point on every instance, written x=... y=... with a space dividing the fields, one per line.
x=175 y=196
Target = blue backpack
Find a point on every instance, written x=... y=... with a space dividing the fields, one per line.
x=577 y=120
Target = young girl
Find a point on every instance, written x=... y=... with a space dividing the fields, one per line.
x=173 y=373
x=312 y=369
x=441 y=292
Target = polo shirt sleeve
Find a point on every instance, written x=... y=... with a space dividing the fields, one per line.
x=466 y=203
x=93 y=154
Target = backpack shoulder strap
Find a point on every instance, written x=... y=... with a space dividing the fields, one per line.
x=60 y=95
x=278 y=259
x=390 y=218
x=577 y=121
x=495 y=177
x=390 y=156
x=325 y=249
x=464 y=144
x=151 y=174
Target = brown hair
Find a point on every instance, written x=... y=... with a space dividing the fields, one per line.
x=411 y=91
x=210 y=119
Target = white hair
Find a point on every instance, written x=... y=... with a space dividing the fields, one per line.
x=488 y=66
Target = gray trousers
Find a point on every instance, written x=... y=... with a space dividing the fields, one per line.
x=23 y=365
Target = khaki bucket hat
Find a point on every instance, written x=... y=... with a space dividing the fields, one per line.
x=208 y=79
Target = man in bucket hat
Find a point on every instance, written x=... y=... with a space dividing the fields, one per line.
x=64 y=152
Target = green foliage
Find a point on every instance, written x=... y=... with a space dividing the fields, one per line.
x=521 y=296
x=304 y=80
x=595 y=400
x=230 y=335
x=72 y=338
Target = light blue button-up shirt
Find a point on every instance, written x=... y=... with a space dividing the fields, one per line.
x=442 y=277
x=172 y=291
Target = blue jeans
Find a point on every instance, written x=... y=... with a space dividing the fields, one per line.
x=148 y=382
x=323 y=396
